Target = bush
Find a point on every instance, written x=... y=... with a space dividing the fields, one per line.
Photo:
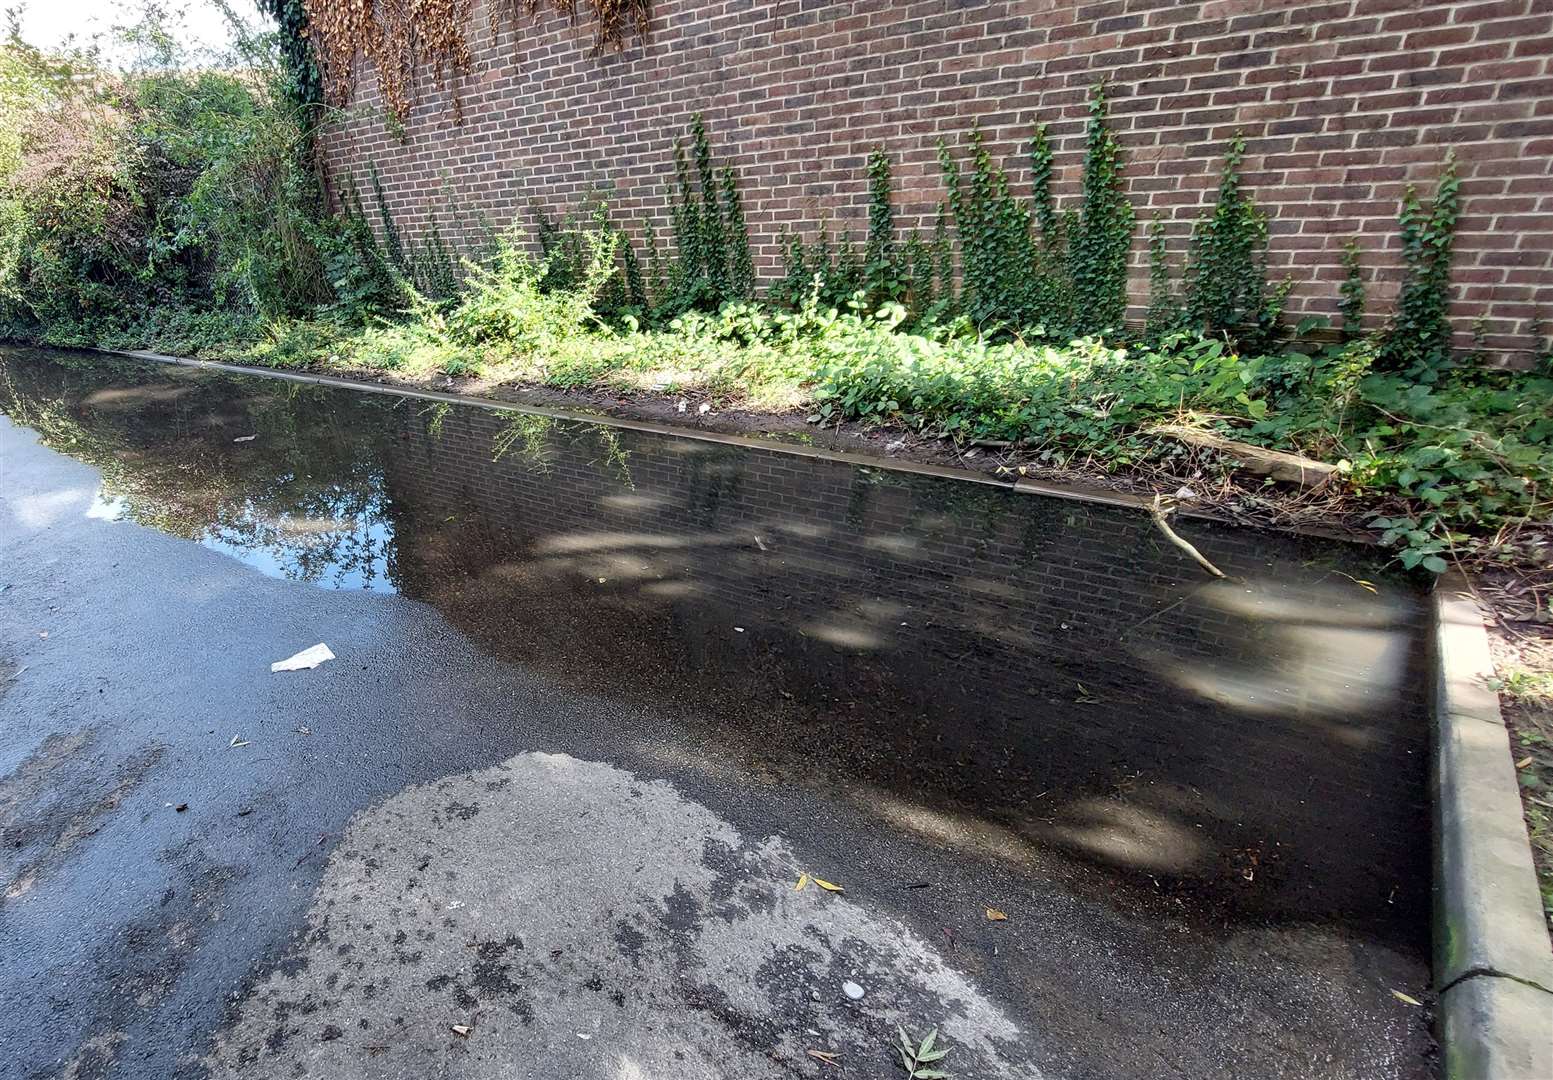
x=123 y=194
x=507 y=302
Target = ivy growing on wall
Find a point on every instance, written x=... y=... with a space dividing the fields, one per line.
x=1418 y=340
x=1102 y=236
x=612 y=19
x=1164 y=306
x=712 y=261
x=304 y=84
x=397 y=39
x=1024 y=266
x=882 y=267
x=1350 y=302
x=1052 y=293
x=1013 y=266
x=1227 y=291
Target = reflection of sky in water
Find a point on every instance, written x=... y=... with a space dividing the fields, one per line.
x=348 y=553
x=103 y=509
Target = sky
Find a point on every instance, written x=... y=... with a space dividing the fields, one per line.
x=48 y=23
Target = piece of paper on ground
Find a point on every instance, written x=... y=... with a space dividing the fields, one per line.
x=308 y=658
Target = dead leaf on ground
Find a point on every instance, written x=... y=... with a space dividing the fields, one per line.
x=828 y=886
x=237 y=740
x=1406 y=999
x=824 y=1056
x=803 y=881
x=995 y=915
x=1525 y=761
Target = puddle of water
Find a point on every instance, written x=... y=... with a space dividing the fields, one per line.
x=1047 y=682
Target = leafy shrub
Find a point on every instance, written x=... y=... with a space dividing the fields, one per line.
x=169 y=187
x=1086 y=396
x=1472 y=455
x=507 y=303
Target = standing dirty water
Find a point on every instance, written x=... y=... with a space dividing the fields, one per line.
x=599 y=699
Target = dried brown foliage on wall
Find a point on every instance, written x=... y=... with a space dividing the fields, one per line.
x=401 y=37
x=612 y=19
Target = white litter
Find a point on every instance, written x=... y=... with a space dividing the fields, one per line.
x=245 y=438
x=308 y=658
x=852 y=990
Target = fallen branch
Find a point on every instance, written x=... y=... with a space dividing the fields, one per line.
x=1278 y=464
x=1159 y=512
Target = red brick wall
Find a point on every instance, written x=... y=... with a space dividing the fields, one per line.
x=1344 y=103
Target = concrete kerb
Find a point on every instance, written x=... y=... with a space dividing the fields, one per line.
x=1493 y=967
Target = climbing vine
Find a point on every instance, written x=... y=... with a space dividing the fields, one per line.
x=741 y=266
x=612 y=19
x=304 y=84
x=712 y=260
x=1350 y=303
x=1418 y=341
x=881 y=262
x=397 y=37
x=1164 y=308
x=1227 y=291
x=1044 y=208
x=998 y=257
x=1051 y=286
x=1103 y=234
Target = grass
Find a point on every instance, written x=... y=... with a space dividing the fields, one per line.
x=760 y=378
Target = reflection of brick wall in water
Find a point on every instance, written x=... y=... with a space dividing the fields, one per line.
x=1045 y=651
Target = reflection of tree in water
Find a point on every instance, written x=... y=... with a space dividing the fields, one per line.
x=337 y=534
x=306 y=494
x=531 y=436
